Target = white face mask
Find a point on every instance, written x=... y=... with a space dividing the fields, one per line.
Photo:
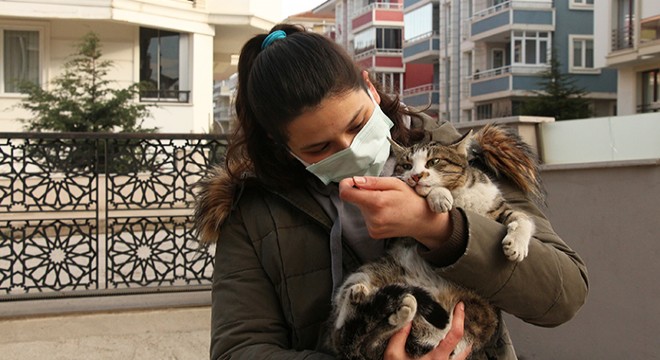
x=366 y=156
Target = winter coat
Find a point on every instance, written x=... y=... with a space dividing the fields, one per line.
x=272 y=282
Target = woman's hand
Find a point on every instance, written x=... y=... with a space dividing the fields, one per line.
x=391 y=208
x=396 y=347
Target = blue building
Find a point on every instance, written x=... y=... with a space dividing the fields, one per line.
x=487 y=55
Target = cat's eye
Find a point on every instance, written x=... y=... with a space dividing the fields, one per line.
x=432 y=162
x=406 y=166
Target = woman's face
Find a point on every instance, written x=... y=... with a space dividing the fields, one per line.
x=331 y=126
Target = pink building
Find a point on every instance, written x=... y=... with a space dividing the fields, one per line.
x=372 y=32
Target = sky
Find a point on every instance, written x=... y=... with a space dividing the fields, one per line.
x=290 y=7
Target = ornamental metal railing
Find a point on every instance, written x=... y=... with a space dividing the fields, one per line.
x=100 y=214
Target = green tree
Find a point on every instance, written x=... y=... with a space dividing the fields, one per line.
x=82 y=99
x=560 y=97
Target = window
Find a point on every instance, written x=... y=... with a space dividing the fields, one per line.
x=420 y=22
x=581 y=4
x=497 y=58
x=624 y=35
x=484 y=111
x=161 y=67
x=364 y=41
x=531 y=48
x=20 y=60
x=650 y=91
x=581 y=54
x=377 y=38
x=388 y=38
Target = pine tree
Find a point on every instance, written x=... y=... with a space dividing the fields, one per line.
x=560 y=97
x=82 y=99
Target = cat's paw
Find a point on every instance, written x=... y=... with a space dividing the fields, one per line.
x=440 y=200
x=515 y=248
x=358 y=293
x=405 y=312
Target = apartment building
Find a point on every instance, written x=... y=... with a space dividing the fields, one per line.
x=322 y=23
x=487 y=55
x=372 y=32
x=179 y=46
x=631 y=45
x=475 y=59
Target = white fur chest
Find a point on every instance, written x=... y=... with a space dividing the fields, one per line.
x=479 y=197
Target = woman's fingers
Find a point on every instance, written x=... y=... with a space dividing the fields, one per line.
x=396 y=347
x=453 y=337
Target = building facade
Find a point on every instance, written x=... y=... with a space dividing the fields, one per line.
x=479 y=59
x=178 y=46
x=488 y=55
x=372 y=32
x=631 y=46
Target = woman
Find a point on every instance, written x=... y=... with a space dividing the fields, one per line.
x=300 y=206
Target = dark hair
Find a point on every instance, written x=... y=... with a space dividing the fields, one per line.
x=279 y=83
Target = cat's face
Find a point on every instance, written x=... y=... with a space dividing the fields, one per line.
x=426 y=166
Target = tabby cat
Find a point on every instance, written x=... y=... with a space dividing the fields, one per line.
x=443 y=175
x=381 y=297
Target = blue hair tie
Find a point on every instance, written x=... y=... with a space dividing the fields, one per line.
x=275 y=35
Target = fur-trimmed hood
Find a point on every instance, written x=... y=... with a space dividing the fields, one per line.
x=215 y=197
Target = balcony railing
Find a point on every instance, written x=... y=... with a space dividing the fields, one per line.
x=374 y=52
x=623 y=38
x=491 y=10
x=377 y=6
x=519 y=69
x=92 y=214
x=421 y=89
x=648 y=108
x=421 y=37
x=481 y=75
x=495 y=9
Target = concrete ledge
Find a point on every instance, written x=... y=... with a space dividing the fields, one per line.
x=601 y=165
x=88 y=304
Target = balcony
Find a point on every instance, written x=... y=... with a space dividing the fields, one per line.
x=650 y=30
x=385 y=14
x=423 y=49
x=500 y=19
x=423 y=96
x=385 y=60
x=509 y=80
x=648 y=108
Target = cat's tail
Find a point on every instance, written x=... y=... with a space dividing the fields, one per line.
x=504 y=153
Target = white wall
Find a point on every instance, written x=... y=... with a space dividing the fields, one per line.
x=633 y=137
x=626 y=102
x=266 y=9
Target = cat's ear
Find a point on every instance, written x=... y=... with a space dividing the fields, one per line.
x=397 y=149
x=462 y=145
